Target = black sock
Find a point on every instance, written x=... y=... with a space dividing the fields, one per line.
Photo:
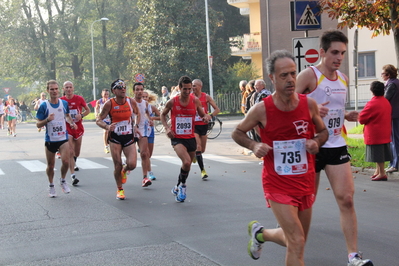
x=200 y=161
x=74 y=158
x=182 y=177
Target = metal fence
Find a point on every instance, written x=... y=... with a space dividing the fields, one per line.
x=231 y=102
x=363 y=95
x=228 y=102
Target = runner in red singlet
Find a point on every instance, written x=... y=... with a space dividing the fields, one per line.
x=292 y=132
x=183 y=108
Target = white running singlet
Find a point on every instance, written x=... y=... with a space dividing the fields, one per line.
x=333 y=91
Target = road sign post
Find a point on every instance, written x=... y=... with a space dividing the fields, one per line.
x=306 y=53
x=139 y=78
x=305 y=15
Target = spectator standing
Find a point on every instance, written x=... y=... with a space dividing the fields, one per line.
x=377 y=130
x=262 y=92
x=389 y=74
x=165 y=95
x=24 y=109
x=243 y=90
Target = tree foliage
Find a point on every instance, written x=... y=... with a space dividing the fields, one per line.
x=380 y=16
x=241 y=70
x=171 y=41
x=51 y=39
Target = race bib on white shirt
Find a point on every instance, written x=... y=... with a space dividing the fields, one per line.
x=334 y=121
x=197 y=117
x=123 y=128
x=56 y=130
x=73 y=113
x=184 y=125
x=290 y=157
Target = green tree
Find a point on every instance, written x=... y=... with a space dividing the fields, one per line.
x=237 y=72
x=171 y=41
x=380 y=16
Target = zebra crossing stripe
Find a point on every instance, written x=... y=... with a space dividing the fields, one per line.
x=138 y=164
x=223 y=159
x=34 y=165
x=1 y=172
x=169 y=159
x=87 y=164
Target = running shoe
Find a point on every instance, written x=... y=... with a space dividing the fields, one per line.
x=175 y=190
x=75 y=181
x=124 y=174
x=64 y=186
x=358 y=261
x=195 y=159
x=181 y=194
x=15 y=135
x=58 y=155
x=39 y=129
x=151 y=176
x=120 y=194
x=204 y=175
x=254 y=246
x=106 y=149
x=146 y=182
x=51 y=191
x=76 y=168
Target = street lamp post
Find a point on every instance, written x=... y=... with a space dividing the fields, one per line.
x=92 y=56
x=210 y=58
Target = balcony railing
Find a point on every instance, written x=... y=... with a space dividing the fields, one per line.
x=248 y=43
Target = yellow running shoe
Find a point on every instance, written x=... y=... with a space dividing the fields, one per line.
x=120 y=194
x=106 y=149
x=204 y=175
x=195 y=159
x=124 y=174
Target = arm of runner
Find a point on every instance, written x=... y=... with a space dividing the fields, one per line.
x=165 y=111
x=147 y=113
x=255 y=117
x=306 y=81
x=216 y=109
x=205 y=117
x=68 y=119
x=86 y=112
x=156 y=112
x=321 y=136
x=97 y=108
x=102 y=115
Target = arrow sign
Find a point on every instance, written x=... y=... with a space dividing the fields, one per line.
x=298 y=55
x=305 y=52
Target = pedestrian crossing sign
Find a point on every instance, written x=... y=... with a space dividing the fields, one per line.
x=307 y=15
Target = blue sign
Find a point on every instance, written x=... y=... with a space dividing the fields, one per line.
x=307 y=15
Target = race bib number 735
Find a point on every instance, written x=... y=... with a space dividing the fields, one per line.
x=290 y=157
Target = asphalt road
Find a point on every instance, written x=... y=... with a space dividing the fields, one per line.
x=90 y=227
